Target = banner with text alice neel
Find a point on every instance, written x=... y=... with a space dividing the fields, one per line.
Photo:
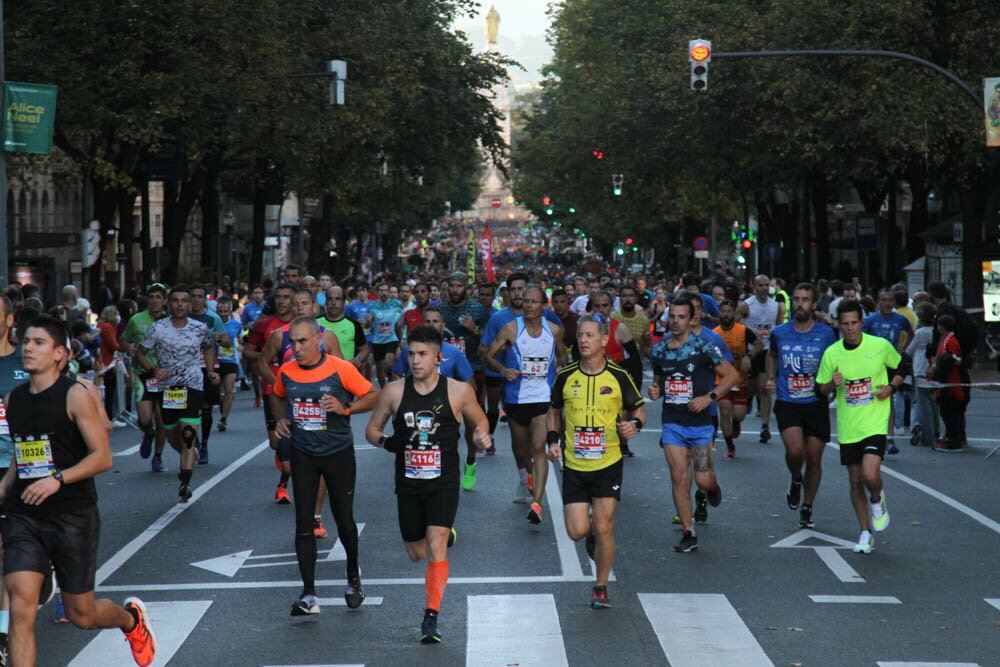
x=991 y=99
x=29 y=116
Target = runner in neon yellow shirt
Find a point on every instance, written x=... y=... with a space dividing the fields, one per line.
x=856 y=368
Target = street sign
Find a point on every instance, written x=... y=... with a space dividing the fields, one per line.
x=700 y=243
x=991 y=104
x=772 y=252
x=701 y=254
x=866 y=232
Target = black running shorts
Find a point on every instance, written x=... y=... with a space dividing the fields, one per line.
x=420 y=510
x=382 y=350
x=851 y=453
x=758 y=364
x=812 y=418
x=581 y=486
x=523 y=413
x=211 y=391
x=67 y=541
x=191 y=414
x=227 y=368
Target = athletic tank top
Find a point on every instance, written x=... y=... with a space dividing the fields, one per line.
x=761 y=318
x=45 y=440
x=736 y=341
x=12 y=373
x=613 y=351
x=535 y=360
x=428 y=460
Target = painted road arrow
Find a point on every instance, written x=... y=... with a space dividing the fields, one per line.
x=827 y=552
x=230 y=564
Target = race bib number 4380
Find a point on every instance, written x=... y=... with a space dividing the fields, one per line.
x=678 y=391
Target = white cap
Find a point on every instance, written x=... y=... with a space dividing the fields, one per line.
x=82 y=304
x=503 y=284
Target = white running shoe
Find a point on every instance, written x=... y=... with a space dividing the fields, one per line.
x=866 y=543
x=522 y=496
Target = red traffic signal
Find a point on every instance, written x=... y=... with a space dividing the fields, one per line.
x=495 y=203
x=599 y=155
x=546 y=200
x=700 y=50
x=628 y=241
x=747 y=243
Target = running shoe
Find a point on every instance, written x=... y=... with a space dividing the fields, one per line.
x=591 y=545
x=60 y=615
x=354 y=595
x=715 y=495
x=522 y=495
x=305 y=606
x=688 y=543
x=737 y=428
x=794 y=495
x=48 y=588
x=222 y=424
x=318 y=530
x=676 y=520
x=157 y=464
x=599 y=598
x=626 y=451
x=281 y=496
x=880 y=514
x=203 y=454
x=452 y=538
x=184 y=493
x=806 y=517
x=429 y=628
x=866 y=543
x=140 y=639
x=944 y=445
x=700 y=506
x=535 y=513
x=491 y=450
x=730 y=451
x=893 y=449
x=531 y=484
x=256 y=401
x=765 y=434
x=915 y=435
x=146 y=446
x=469 y=478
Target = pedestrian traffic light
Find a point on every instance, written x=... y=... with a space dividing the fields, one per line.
x=699 y=55
x=546 y=200
x=616 y=184
x=635 y=249
x=620 y=251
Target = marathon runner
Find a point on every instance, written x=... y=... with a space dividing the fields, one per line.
x=743 y=344
x=178 y=343
x=50 y=499
x=256 y=341
x=320 y=392
x=147 y=388
x=622 y=348
x=760 y=313
x=803 y=415
x=413 y=317
x=349 y=333
x=426 y=409
x=895 y=328
x=248 y=318
x=855 y=367
x=202 y=313
x=560 y=306
x=529 y=371
x=229 y=355
x=595 y=407
x=635 y=319
x=464 y=321
x=383 y=317
x=12 y=374
x=684 y=370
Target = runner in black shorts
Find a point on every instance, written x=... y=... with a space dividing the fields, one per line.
x=595 y=407
x=147 y=390
x=201 y=312
x=50 y=498
x=178 y=343
x=427 y=409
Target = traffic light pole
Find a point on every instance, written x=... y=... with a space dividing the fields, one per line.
x=950 y=76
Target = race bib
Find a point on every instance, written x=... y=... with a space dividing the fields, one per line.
x=858 y=392
x=309 y=415
x=422 y=463
x=34 y=457
x=227 y=353
x=4 y=426
x=384 y=327
x=457 y=342
x=535 y=368
x=175 y=399
x=763 y=331
x=589 y=442
x=153 y=386
x=801 y=385
x=678 y=391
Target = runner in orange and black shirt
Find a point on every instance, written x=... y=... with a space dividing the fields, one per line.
x=743 y=344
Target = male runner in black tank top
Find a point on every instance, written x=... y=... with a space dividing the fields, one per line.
x=50 y=499
x=426 y=409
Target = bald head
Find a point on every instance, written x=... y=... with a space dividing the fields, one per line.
x=335 y=302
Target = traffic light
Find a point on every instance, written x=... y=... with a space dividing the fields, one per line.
x=620 y=251
x=548 y=211
x=699 y=55
x=572 y=210
x=747 y=244
x=635 y=249
x=546 y=200
x=616 y=184
x=628 y=241
x=598 y=154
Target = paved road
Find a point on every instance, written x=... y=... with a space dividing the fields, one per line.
x=219 y=573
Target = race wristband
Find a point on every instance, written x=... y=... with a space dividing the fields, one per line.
x=552 y=438
x=637 y=422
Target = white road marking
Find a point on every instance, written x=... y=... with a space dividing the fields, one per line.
x=511 y=619
x=696 y=630
x=127 y=452
x=141 y=540
x=172 y=622
x=993 y=601
x=339 y=583
x=359 y=665
x=827 y=554
x=934 y=493
x=856 y=599
x=882 y=663
x=569 y=560
x=341 y=602
x=230 y=564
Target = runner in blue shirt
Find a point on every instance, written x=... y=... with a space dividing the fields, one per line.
x=890 y=325
x=453 y=363
x=803 y=414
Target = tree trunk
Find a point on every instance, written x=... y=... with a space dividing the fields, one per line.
x=822 y=237
x=257 y=234
x=320 y=225
x=891 y=266
x=126 y=226
x=179 y=200
x=919 y=222
x=209 y=201
x=973 y=200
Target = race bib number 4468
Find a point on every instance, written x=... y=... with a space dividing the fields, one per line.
x=858 y=392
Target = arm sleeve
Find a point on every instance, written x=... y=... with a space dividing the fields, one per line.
x=207 y=340
x=557 y=390
x=825 y=373
x=279 y=384
x=352 y=379
x=463 y=369
x=401 y=367
x=631 y=398
x=892 y=357
x=752 y=337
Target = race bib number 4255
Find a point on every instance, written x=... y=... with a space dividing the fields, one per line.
x=309 y=416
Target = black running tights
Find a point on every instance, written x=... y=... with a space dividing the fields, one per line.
x=339 y=471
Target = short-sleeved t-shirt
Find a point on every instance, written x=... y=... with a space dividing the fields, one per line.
x=215 y=326
x=349 y=333
x=453 y=364
x=228 y=354
x=258 y=338
x=358 y=311
x=251 y=313
x=462 y=338
x=136 y=329
x=384 y=317
x=859 y=413
x=799 y=355
x=686 y=372
x=638 y=324
x=889 y=328
x=314 y=430
x=591 y=405
x=178 y=350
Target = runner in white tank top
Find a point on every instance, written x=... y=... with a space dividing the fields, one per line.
x=761 y=314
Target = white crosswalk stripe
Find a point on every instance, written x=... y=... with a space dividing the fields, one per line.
x=512 y=618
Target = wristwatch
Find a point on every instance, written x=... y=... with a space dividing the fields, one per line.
x=713 y=396
x=59 y=478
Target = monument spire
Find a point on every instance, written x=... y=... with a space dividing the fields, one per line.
x=492 y=25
